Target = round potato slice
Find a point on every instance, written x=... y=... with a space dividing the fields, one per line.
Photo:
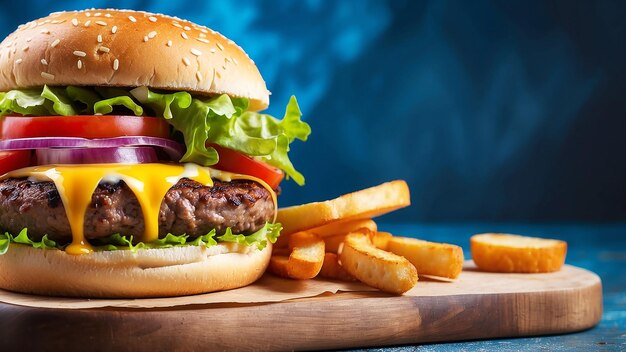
x=517 y=254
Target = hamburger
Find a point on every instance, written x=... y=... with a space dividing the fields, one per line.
x=134 y=160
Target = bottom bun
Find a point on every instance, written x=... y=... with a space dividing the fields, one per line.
x=175 y=271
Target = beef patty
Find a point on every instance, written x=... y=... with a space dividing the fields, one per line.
x=188 y=208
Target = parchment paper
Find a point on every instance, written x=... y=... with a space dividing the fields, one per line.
x=266 y=290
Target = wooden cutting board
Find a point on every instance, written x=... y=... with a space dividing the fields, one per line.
x=477 y=306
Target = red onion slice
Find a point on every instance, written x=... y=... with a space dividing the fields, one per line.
x=117 y=155
x=173 y=149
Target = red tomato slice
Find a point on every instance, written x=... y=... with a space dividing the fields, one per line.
x=85 y=126
x=13 y=160
x=233 y=161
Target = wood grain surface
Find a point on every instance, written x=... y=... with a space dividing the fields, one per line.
x=488 y=306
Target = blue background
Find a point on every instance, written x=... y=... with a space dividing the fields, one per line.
x=492 y=111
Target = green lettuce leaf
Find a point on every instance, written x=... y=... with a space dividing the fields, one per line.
x=106 y=106
x=220 y=120
x=25 y=102
x=224 y=121
x=269 y=232
x=85 y=96
x=22 y=238
x=61 y=102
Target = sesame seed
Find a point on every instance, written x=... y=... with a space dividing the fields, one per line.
x=152 y=19
x=212 y=51
x=99 y=38
x=184 y=35
x=145 y=39
x=107 y=15
x=55 y=42
x=104 y=49
x=80 y=53
x=199 y=76
x=132 y=19
x=88 y=23
x=18 y=61
x=28 y=40
x=75 y=22
x=186 y=61
x=45 y=31
x=88 y=14
x=177 y=25
x=44 y=62
x=187 y=28
x=79 y=64
x=102 y=23
x=235 y=61
x=204 y=30
x=224 y=67
x=116 y=64
x=196 y=52
x=220 y=46
x=202 y=35
x=152 y=34
x=46 y=75
x=25 y=48
x=169 y=43
x=227 y=59
x=203 y=40
x=97 y=14
x=114 y=30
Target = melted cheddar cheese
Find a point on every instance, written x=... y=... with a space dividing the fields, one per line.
x=149 y=183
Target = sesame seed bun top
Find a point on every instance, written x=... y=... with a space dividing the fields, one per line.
x=125 y=48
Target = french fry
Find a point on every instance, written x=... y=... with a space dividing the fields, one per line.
x=331 y=230
x=333 y=243
x=375 y=267
x=305 y=258
x=380 y=239
x=331 y=269
x=429 y=258
x=363 y=204
x=343 y=227
x=517 y=254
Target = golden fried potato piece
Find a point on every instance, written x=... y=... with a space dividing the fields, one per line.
x=333 y=243
x=363 y=204
x=375 y=267
x=344 y=227
x=379 y=240
x=429 y=258
x=331 y=269
x=331 y=230
x=305 y=259
x=517 y=254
